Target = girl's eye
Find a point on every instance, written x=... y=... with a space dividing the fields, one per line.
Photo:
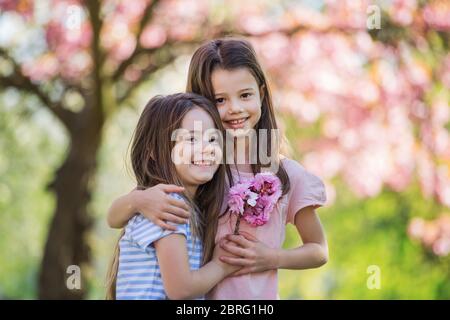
x=220 y=100
x=246 y=95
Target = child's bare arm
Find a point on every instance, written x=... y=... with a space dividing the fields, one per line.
x=179 y=281
x=314 y=251
x=121 y=210
x=154 y=203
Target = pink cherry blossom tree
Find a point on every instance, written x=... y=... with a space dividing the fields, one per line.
x=95 y=54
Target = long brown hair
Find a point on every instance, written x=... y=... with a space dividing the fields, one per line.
x=151 y=159
x=229 y=54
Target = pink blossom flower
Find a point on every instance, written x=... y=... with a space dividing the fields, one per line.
x=433 y=234
x=252 y=197
x=266 y=183
x=255 y=199
x=237 y=196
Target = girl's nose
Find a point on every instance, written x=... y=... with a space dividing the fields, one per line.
x=235 y=108
x=208 y=149
x=213 y=151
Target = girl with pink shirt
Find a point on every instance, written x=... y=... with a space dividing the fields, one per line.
x=227 y=72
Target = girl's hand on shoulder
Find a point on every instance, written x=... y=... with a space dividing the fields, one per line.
x=159 y=207
x=252 y=254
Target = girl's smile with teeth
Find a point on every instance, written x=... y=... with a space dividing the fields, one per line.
x=237 y=123
x=203 y=163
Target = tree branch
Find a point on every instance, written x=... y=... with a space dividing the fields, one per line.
x=19 y=81
x=148 y=14
x=145 y=75
x=96 y=22
x=169 y=52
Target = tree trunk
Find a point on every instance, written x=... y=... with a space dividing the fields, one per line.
x=66 y=242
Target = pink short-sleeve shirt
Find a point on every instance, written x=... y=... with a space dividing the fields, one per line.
x=306 y=190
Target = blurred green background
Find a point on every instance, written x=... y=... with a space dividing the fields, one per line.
x=363 y=106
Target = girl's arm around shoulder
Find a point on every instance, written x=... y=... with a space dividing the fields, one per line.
x=153 y=203
x=122 y=209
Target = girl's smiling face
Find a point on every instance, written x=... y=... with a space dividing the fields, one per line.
x=198 y=149
x=238 y=99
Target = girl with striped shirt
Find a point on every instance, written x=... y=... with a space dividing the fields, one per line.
x=178 y=140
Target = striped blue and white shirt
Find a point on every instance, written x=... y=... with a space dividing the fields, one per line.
x=139 y=275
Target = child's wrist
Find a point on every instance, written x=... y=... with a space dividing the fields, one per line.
x=221 y=267
x=276 y=259
x=133 y=202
